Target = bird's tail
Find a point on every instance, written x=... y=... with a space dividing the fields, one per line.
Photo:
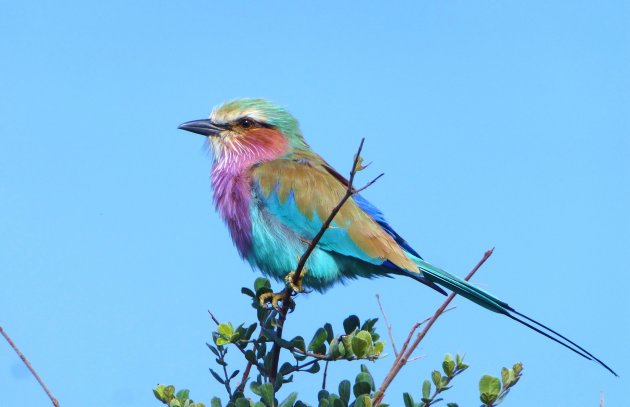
x=488 y=301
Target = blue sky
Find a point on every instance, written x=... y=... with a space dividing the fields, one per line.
x=497 y=124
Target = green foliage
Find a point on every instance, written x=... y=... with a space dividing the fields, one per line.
x=167 y=395
x=492 y=390
x=257 y=341
x=441 y=382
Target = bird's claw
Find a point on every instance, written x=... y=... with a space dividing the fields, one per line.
x=271 y=298
x=297 y=286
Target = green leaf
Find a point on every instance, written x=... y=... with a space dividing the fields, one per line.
x=333 y=349
x=158 y=392
x=363 y=384
x=451 y=405
x=318 y=340
x=362 y=344
x=367 y=376
x=322 y=394
x=490 y=385
x=261 y=282
x=286 y=368
x=329 y=332
x=267 y=393
x=487 y=398
x=169 y=392
x=298 y=342
x=507 y=377
x=347 y=345
x=359 y=347
x=241 y=402
x=426 y=389
x=255 y=387
x=174 y=403
x=289 y=401
x=247 y=292
x=360 y=388
x=217 y=377
x=214 y=350
x=436 y=377
x=215 y=402
x=378 y=348
x=369 y=325
x=363 y=401
x=408 y=400
x=324 y=403
x=226 y=330
x=250 y=330
x=518 y=368
x=336 y=401
x=182 y=395
x=351 y=323
x=314 y=368
x=448 y=365
x=344 y=391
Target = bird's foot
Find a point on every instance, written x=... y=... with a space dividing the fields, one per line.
x=295 y=286
x=271 y=298
x=274 y=299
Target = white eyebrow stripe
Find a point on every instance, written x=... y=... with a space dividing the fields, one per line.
x=219 y=117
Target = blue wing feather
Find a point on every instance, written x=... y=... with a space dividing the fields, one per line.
x=379 y=218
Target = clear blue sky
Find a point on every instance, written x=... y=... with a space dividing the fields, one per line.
x=497 y=124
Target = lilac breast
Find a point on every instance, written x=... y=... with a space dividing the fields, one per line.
x=232 y=196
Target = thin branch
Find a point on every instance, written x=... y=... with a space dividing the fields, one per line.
x=387 y=324
x=297 y=273
x=405 y=355
x=241 y=385
x=30 y=367
x=225 y=374
x=325 y=374
x=307 y=364
x=406 y=343
x=413 y=359
x=310 y=354
x=216 y=321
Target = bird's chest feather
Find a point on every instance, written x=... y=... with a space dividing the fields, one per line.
x=232 y=198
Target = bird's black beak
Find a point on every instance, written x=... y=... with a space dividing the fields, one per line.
x=204 y=127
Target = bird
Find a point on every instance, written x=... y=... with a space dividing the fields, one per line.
x=274 y=194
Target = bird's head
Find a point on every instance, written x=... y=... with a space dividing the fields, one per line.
x=247 y=131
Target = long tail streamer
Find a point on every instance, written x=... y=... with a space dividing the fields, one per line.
x=488 y=301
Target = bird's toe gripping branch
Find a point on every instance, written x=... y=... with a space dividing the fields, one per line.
x=295 y=285
x=271 y=298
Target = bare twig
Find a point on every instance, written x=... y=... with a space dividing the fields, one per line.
x=216 y=321
x=413 y=359
x=387 y=324
x=406 y=354
x=297 y=273
x=325 y=374
x=406 y=343
x=241 y=385
x=30 y=367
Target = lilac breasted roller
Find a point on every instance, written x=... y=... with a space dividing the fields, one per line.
x=274 y=193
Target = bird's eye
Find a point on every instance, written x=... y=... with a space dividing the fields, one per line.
x=246 y=123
